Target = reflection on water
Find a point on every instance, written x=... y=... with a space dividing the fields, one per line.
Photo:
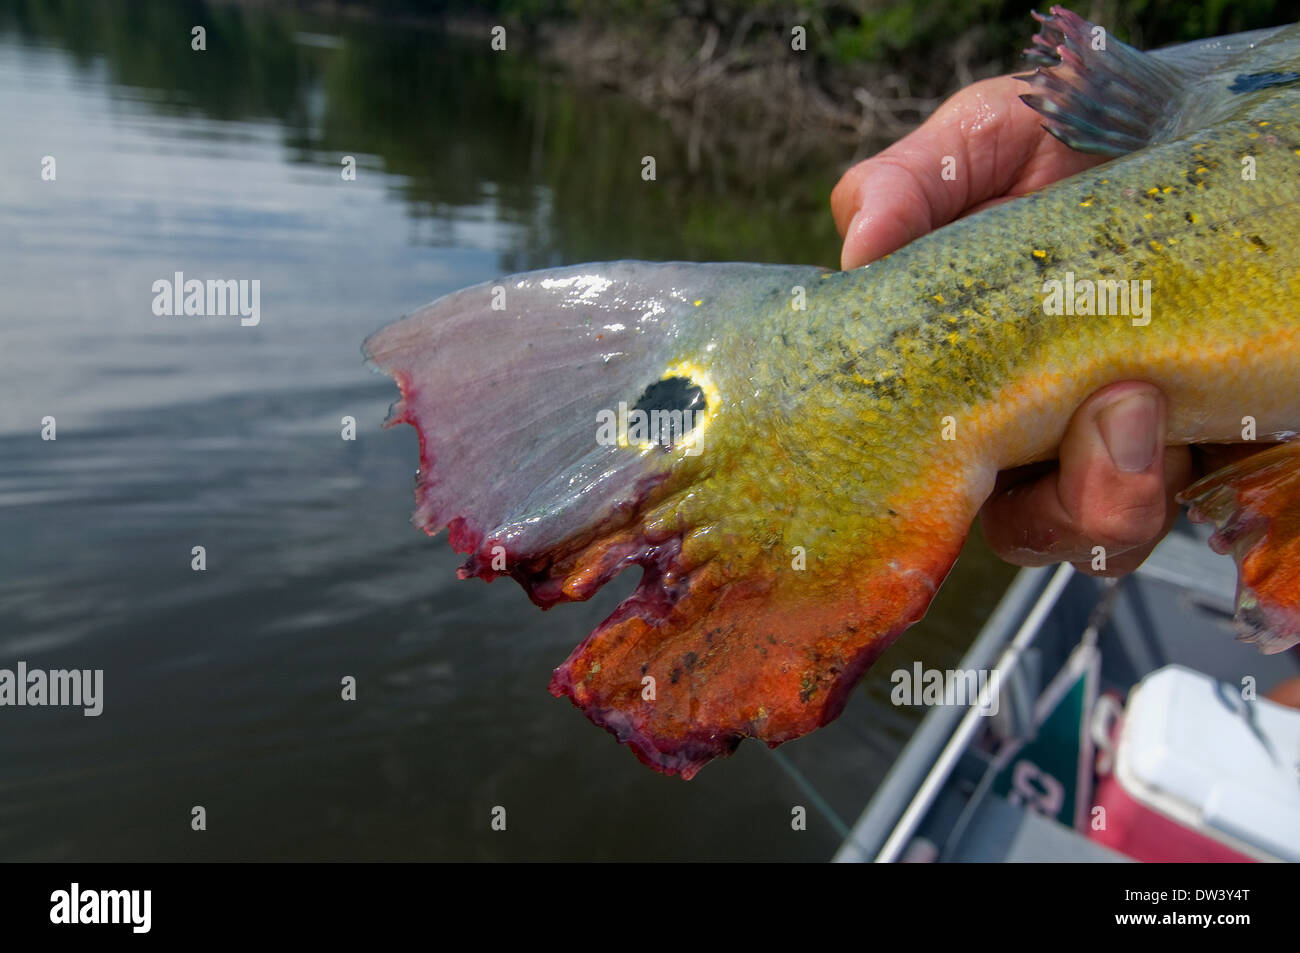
x=222 y=688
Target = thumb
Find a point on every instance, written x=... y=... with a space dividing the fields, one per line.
x=1112 y=480
x=1113 y=487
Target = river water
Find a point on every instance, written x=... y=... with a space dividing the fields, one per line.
x=222 y=687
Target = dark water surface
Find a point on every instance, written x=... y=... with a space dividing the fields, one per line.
x=222 y=688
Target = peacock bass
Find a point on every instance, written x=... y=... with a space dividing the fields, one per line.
x=794 y=456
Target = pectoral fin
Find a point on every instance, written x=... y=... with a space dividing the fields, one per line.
x=1255 y=507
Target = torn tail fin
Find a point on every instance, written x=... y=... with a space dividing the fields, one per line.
x=702 y=657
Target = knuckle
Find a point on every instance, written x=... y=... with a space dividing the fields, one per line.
x=1125 y=524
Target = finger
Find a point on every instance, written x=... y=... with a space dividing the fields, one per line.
x=1113 y=488
x=994 y=145
x=889 y=202
x=999 y=518
x=1178 y=473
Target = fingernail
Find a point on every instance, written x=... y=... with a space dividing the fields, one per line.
x=847 y=261
x=1130 y=429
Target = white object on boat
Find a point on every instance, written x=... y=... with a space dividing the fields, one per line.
x=1193 y=749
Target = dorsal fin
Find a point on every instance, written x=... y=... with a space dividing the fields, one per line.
x=1095 y=93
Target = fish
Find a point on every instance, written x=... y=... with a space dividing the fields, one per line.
x=794 y=456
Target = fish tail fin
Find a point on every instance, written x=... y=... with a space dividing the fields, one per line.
x=1095 y=93
x=1254 y=505
x=507 y=384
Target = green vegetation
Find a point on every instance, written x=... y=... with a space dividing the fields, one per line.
x=854 y=31
x=458 y=134
x=748 y=139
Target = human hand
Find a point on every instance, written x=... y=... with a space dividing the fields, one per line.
x=1115 y=481
x=1000 y=149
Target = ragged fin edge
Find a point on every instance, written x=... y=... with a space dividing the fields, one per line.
x=504 y=401
x=1254 y=505
x=744 y=658
x=1110 y=100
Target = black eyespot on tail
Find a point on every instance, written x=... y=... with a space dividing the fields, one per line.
x=672 y=407
x=672 y=393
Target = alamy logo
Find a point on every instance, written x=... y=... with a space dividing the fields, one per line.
x=76 y=688
x=1103 y=296
x=647 y=428
x=933 y=687
x=103 y=906
x=216 y=296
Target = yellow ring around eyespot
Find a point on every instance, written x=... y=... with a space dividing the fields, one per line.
x=698 y=375
x=701 y=378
